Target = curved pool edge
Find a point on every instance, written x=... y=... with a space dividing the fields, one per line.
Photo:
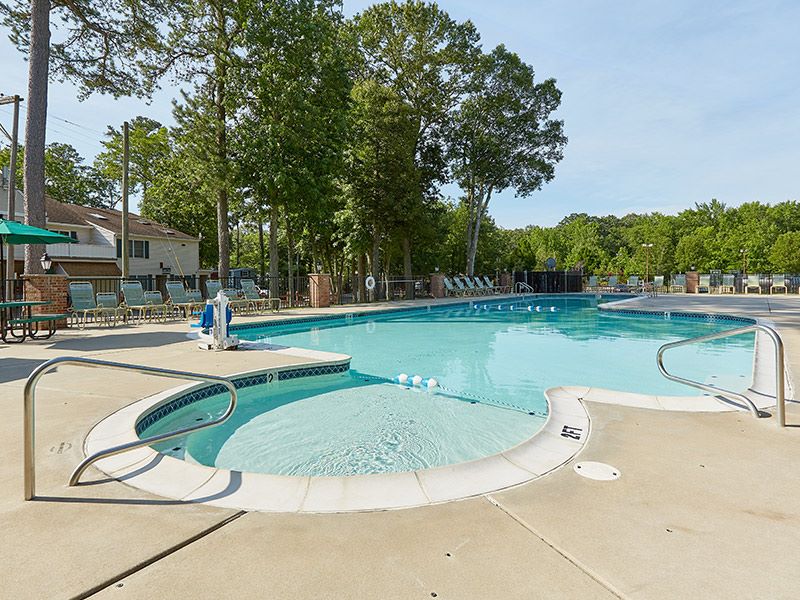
x=563 y=435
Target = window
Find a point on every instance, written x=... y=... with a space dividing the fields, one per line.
x=136 y=248
x=72 y=234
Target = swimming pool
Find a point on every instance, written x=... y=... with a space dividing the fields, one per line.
x=492 y=360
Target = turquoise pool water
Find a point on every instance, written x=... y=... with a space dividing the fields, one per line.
x=492 y=363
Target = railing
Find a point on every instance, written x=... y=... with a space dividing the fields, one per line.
x=522 y=287
x=780 y=400
x=28 y=418
x=82 y=251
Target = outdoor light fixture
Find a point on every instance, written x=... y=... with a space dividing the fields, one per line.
x=46 y=262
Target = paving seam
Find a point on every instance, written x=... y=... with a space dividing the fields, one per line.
x=564 y=554
x=157 y=557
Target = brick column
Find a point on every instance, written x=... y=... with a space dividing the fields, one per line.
x=52 y=288
x=319 y=289
x=437 y=285
x=692 y=282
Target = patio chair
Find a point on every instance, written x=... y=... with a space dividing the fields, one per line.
x=678 y=283
x=704 y=284
x=252 y=294
x=477 y=290
x=633 y=282
x=612 y=283
x=592 y=285
x=467 y=291
x=82 y=303
x=196 y=296
x=135 y=301
x=161 y=310
x=499 y=289
x=728 y=285
x=753 y=281
x=235 y=301
x=180 y=300
x=213 y=287
x=108 y=302
x=779 y=283
x=658 y=284
x=451 y=290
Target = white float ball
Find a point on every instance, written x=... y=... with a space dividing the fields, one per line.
x=416 y=380
x=402 y=378
x=553 y=309
x=432 y=383
x=530 y=309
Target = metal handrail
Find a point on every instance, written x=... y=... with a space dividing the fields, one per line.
x=28 y=422
x=780 y=399
x=521 y=286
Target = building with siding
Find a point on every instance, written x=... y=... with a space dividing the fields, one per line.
x=154 y=249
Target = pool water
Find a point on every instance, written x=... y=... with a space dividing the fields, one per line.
x=493 y=365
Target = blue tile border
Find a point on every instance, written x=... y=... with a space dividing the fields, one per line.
x=242 y=382
x=667 y=314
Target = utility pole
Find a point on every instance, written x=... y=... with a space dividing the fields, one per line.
x=125 y=157
x=12 y=190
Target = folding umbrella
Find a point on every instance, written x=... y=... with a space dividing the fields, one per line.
x=14 y=233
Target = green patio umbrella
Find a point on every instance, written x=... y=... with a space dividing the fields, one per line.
x=14 y=233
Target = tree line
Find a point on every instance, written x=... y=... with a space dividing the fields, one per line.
x=327 y=137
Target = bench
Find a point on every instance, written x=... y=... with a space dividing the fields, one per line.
x=36 y=320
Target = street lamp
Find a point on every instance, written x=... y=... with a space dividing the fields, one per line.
x=647 y=260
x=743 y=252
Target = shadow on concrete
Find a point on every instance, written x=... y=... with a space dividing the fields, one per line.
x=120 y=342
x=13 y=369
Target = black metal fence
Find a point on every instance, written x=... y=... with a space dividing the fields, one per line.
x=550 y=282
x=719 y=282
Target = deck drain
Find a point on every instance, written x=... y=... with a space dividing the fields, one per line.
x=597 y=471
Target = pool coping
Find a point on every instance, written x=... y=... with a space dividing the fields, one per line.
x=563 y=435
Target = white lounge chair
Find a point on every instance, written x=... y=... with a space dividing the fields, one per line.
x=591 y=285
x=728 y=285
x=678 y=283
x=704 y=284
x=778 y=283
x=753 y=281
x=451 y=290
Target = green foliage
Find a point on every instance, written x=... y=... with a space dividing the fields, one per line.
x=785 y=253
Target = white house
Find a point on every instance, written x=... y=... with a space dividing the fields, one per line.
x=154 y=249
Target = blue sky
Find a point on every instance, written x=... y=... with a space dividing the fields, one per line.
x=665 y=103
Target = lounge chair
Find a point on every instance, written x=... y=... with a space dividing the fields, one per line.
x=658 y=284
x=482 y=288
x=213 y=287
x=728 y=285
x=179 y=299
x=612 y=283
x=253 y=295
x=451 y=290
x=467 y=291
x=704 y=284
x=633 y=282
x=778 y=283
x=135 y=301
x=478 y=290
x=112 y=311
x=235 y=301
x=82 y=303
x=499 y=289
x=678 y=283
x=753 y=281
x=592 y=285
x=161 y=310
x=196 y=296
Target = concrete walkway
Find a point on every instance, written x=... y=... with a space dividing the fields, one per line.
x=705 y=506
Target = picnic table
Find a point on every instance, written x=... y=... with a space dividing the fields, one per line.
x=25 y=321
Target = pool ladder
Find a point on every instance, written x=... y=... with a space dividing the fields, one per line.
x=780 y=393
x=44 y=368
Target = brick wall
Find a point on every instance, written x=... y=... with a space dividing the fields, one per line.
x=50 y=288
x=319 y=289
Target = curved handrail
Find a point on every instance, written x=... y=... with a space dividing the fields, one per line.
x=521 y=286
x=29 y=401
x=780 y=400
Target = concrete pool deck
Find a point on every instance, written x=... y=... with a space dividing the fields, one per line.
x=705 y=505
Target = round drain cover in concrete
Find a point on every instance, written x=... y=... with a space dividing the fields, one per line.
x=596 y=470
